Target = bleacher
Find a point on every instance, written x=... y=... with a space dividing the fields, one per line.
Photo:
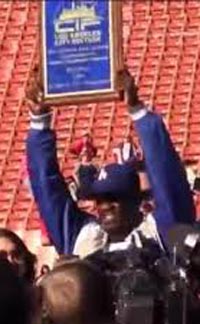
x=161 y=42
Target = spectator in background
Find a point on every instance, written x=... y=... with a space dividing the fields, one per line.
x=127 y=151
x=13 y=249
x=76 y=293
x=84 y=149
x=191 y=171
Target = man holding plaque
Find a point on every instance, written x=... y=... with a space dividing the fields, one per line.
x=115 y=189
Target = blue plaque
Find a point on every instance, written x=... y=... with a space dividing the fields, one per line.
x=81 y=48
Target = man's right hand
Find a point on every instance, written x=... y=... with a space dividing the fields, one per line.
x=35 y=95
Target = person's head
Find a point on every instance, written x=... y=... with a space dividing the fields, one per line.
x=128 y=139
x=76 y=293
x=118 y=217
x=86 y=138
x=15 y=251
x=15 y=302
x=116 y=191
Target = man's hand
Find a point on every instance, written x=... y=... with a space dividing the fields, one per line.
x=35 y=95
x=127 y=83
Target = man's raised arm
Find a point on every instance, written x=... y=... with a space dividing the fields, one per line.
x=172 y=195
x=59 y=212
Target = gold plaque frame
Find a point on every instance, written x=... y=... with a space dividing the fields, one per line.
x=115 y=59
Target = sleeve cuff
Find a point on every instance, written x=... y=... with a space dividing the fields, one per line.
x=139 y=114
x=40 y=122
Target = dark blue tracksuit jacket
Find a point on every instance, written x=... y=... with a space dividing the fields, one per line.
x=61 y=215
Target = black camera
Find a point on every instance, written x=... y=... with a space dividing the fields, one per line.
x=151 y=286
x=138 y=281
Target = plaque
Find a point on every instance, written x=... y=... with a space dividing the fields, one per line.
x=81 y=49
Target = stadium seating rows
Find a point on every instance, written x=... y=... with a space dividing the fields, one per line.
x=161 y=47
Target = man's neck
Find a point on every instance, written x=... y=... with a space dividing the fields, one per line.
x=126 y=229
x=120 y=236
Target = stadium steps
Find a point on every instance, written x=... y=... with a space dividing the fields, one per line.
x=161 y=48
x=18 y=46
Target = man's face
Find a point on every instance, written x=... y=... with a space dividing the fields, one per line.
x=112 y=216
